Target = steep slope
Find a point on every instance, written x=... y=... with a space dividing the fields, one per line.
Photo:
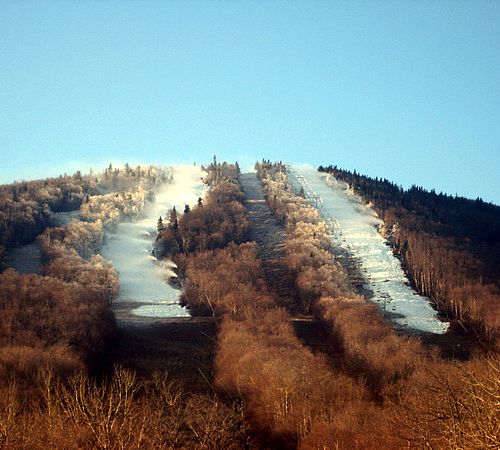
x=143 y=288
x=354 y=229
x=155 y=332
x=270 y=239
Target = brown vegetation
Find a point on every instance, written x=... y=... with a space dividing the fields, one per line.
x=59 y=325
x=308 y=252
x=211 y=224
x=27 y=208
x=452 y=406
x=393 y=367
x=49 y=322
x=373 y=352
x=384 y=391
x=62 y=320
x=70 y=252
x=286 y=389
x=119 y=413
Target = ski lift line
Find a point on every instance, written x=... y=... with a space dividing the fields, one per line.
x=310 y=194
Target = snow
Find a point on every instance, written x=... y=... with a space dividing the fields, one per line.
x=143 y=279
x=354 y=228
x=64 y=218
x=27 y=258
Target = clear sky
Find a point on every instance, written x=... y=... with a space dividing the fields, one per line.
x=404 y=90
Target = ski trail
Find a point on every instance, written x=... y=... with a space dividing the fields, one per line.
x=354 y=228
x=142 y=276
x=27 y=258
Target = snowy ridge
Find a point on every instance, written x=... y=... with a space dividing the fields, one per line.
x=354 y=228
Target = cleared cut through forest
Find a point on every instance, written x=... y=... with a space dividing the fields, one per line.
x=156 y=333
x=144 y=290
x=270 y=238
x=27 y=258
x=353 y=228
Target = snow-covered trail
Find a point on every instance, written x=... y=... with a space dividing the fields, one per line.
x=353 y=228
x=27 y=258
x=142 y=277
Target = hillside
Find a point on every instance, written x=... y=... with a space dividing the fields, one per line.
x=204 y=308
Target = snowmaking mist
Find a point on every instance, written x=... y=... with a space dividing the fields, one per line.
x=143 y=279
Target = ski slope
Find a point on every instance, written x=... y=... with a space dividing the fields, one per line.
x=143 y=279
x=27 y=258
x=354 y=228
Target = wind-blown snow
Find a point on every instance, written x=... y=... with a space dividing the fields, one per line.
x=354 y=228
x=143 y=279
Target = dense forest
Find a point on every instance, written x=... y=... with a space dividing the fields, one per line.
x=450 y=247
x=368 y=387
x=399 y=373
x=212 y=223
x=27 y=208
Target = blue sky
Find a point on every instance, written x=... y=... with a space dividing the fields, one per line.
x=403 y=90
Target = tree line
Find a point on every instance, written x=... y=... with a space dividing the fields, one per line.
x=27 y=208
x=62 y=319
x=449 y=245
x=283 y=387
x=120 y=411
x=212 y=223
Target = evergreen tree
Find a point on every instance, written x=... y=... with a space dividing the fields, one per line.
x=108 y=171
x=160 y=228
x=174 y=224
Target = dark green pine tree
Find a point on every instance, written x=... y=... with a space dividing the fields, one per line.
x=173 y=223
x=160 y=227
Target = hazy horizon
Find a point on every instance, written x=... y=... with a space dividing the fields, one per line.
x=401 y=90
